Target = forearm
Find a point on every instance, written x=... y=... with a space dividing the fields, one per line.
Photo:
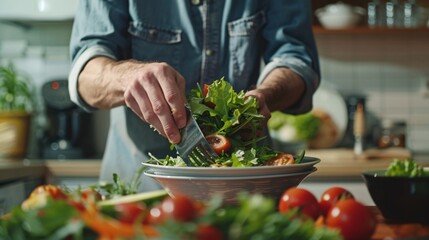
x=282 y=88
x=101 y=83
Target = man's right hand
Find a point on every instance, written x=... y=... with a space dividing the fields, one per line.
x=154 y=91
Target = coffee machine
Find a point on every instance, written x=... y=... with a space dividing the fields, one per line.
x=66 y=136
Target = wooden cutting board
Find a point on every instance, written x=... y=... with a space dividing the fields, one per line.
x=341 y=154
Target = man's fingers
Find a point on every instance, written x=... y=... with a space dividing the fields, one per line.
x=161 y=109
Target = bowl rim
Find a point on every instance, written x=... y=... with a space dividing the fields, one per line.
x=380 y=173
x=152 y=173
x=306 y=164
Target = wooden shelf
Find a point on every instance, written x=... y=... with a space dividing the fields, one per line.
x=318 y=30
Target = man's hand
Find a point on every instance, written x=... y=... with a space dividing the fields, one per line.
x=154 y=91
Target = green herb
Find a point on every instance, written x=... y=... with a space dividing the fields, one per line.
x=119 y=187
x=15 y=91
x=405 y=168
x=56 y=220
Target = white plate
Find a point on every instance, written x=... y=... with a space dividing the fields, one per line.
x=306 y=164
x=328 y=99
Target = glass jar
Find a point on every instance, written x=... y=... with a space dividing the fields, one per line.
x=392 y=134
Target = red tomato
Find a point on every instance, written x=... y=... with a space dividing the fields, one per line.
x=352 y=219
x=331 y=196
x=131 y=212
x=219 y=143
x=205 y=90
x=281 y=159
x=302 y=199
x=180 y=208
x=208 y=232
x=156 y=216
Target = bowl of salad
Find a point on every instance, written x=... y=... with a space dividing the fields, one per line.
x=401 y=191
x=234 y=128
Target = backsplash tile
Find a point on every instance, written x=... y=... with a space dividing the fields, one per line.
x=389 y=69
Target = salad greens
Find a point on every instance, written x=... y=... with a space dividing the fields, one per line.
x=226 y=112
x=405 y=168
x=218 y=109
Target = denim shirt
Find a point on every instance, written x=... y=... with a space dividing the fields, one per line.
x=204 y=40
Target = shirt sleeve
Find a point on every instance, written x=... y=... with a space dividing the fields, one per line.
x=291 y=44
x=99 y=29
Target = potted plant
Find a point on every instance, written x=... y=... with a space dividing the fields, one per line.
x=15 y=112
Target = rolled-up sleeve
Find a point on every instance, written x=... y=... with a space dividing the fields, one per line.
x=99 y=29
x=291 y=44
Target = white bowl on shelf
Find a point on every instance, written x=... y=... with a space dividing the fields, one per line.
x=340 y=15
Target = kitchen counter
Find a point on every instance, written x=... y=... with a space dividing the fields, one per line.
x=343 y=164
x=13 y=169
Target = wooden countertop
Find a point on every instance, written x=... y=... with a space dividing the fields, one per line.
x=12 y=169
x=338 y=164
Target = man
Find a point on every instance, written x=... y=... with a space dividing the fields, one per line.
x=140 y=58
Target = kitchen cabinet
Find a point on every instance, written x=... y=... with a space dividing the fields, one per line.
x=17 y=180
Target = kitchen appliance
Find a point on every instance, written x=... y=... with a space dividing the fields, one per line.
x=67 y=124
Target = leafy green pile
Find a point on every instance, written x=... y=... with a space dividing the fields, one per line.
x=226 y=112
x=221 y=110
x=405 y=168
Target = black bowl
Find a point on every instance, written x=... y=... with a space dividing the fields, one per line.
x=400 y=199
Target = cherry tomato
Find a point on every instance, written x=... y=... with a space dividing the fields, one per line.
x=208 y=232
x=281 y=159
x=131 y=212
x=219 y=143
x=331 y=196
x=156 y=215
x=352 y=219
x=205 y=90
x=302 y=199
x=180 y=208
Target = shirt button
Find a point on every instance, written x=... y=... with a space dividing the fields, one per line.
x=195 y=2
x=209 y=52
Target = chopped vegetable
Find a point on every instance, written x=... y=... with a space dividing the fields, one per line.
x=405 y=168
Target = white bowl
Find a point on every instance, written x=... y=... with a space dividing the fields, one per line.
x=204 y=188
x=340 y=15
